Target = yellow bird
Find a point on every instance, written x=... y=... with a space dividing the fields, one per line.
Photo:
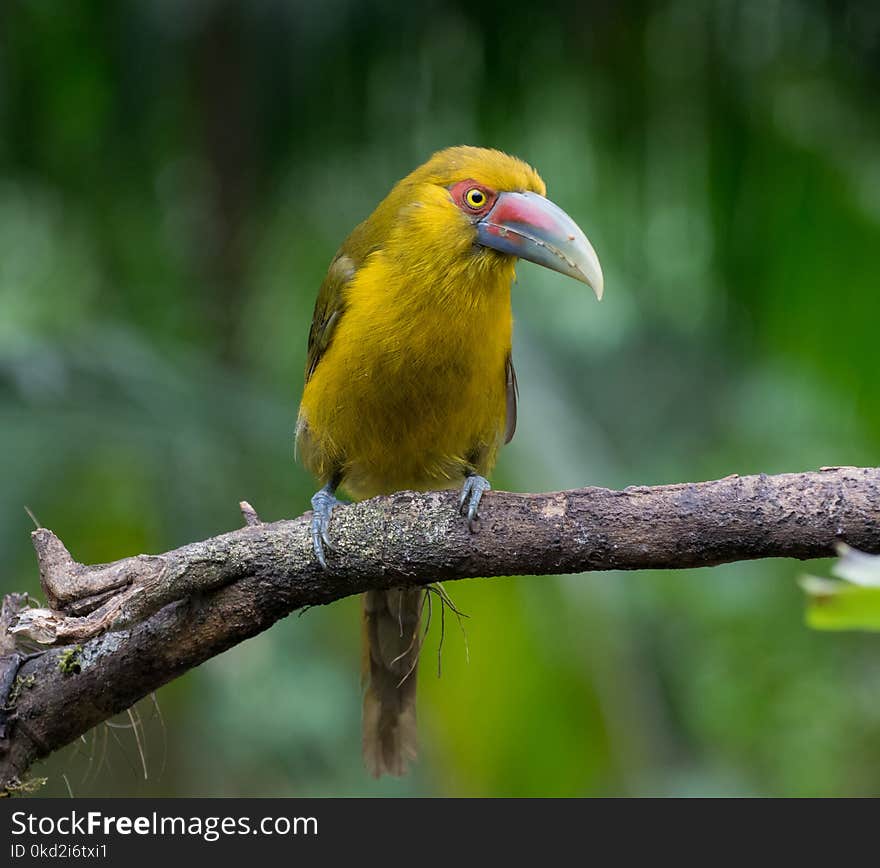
x=409 y=381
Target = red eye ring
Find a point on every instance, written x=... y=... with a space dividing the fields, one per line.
x=472 y=197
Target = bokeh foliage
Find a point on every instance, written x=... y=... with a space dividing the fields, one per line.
x=851 y=601
x=174 y=178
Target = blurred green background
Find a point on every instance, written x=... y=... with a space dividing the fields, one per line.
x=175 y=176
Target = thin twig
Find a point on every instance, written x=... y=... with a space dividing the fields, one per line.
x=137 y=739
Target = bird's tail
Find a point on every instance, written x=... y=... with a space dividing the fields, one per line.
x=392 y=641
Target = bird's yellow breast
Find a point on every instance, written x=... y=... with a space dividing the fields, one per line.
x=411 y=391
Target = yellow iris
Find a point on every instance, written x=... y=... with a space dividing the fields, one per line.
x=475 y=198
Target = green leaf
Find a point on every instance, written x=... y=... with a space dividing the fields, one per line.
x=851 y=604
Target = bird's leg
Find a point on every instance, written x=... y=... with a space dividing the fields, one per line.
x=323 y=502
x=471 y=494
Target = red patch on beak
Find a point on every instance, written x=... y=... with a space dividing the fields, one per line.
x=518 y=210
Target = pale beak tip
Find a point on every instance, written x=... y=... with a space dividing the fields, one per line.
x=585 y=261
x=591 y=273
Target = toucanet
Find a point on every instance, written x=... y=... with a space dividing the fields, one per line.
x=409 y=378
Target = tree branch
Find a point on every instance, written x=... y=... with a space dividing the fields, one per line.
x=142 y=621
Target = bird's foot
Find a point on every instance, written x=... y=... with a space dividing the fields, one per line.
x=323 y=502
x=471 y=494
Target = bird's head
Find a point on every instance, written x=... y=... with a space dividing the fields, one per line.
x=486 y=208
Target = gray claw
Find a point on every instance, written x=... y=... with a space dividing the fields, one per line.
x=472 y=494
x=323 y=503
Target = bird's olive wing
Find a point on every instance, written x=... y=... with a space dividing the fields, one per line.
x=329 y=309
x=512 y=397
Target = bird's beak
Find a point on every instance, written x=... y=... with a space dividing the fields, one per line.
x=531 y=227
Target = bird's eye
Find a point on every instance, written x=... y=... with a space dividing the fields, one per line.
x=475 y=198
